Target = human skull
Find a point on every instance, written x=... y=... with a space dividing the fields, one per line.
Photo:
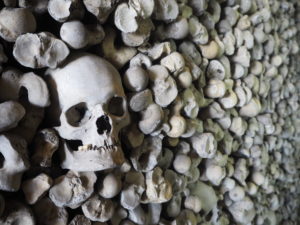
x=89 y=95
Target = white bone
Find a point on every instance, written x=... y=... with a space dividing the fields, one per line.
x=199 y=6
x=61 y=11
x=130 y=197
x=204 y=144
x=253 y=108
x=237 y=193
x=151 y=119
x=13 y=150
x=125 y=18
x=10 y=114
x=111 y=186
x=141 y=36
x=238 y=126
x=182 y=163
x=258 y=178
x=178 y=126
x=176 y=30
x=243 y=211
x=145 y=157
x=214 y=111
x=138 y=215
x=136 y=78
x=98 y=209
x=229 y=100
x=15 y=22
x=72 y=189
x=193 y=203
x=216 y=70
x=163 y=85
x=98 y=128
x=244 y=23
x=39 y=50
x=241 y=171
x=100 y=8
x=38 y=94
x=189 y=51
x=80 y=220
x=174 y=62
x=77 y=35
x=206 y=194
x=140 y=100
x=185 y=78
x=242 y=56
x=140 y=60
x=37 y=187
x=144 y=8
x=158 y=189
x=215 y=174
x=166 y=10
x=198 y=31
x=17 y=213
x=215 y=88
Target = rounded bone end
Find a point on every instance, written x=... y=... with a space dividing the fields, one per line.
x=136 y=79
x=15 y=22
x=125 y=18
x=74 y=34
x=36 y=188
x=151 y=118
x=215 y=88
x=182 y=163
x=17 y=213
x=111 y=186
x=10 y=114
x=40 y=50
x=193 y=202
x=80 y=220
x=61 y=11
x=98 y=209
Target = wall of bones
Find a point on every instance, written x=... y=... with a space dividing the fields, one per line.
x=167 y=112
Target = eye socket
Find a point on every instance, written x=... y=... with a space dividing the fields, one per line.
x=116 y=106
x=77 y=114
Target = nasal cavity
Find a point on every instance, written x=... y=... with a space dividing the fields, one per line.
x=103 y=125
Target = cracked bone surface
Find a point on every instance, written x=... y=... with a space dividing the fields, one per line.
x=72 y=189
x=167 y=112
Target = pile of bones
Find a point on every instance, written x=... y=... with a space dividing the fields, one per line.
x=169 y=112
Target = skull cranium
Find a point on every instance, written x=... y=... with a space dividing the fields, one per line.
x=93 y=109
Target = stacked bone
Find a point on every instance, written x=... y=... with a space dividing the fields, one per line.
x=186 y=112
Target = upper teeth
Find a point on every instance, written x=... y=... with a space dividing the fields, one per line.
x=93 y=147
x=85 y=147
